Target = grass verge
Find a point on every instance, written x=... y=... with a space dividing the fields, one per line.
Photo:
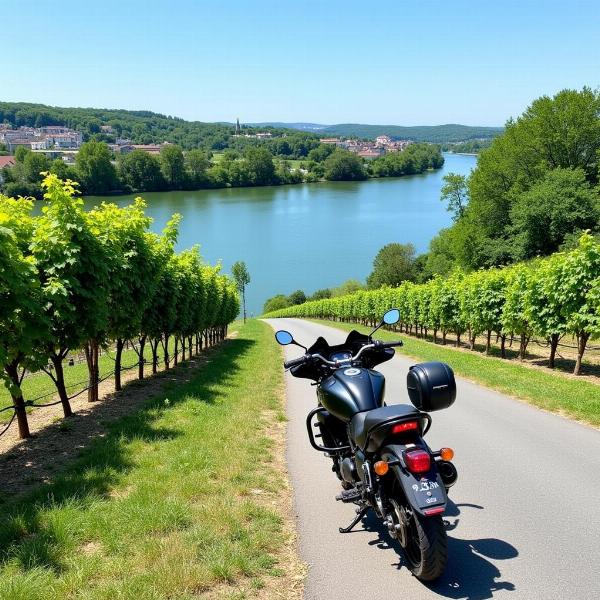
x=181 y=499
x=566 y=395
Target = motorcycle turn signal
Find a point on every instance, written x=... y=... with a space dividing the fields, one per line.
x=446 y=454
x=381 y=468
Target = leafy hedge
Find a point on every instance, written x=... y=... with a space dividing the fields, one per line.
x=73 y=279
x=548 y=297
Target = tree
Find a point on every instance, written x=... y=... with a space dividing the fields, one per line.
x=455 y=194
x=320 y=294
x=392 y=265
x=172 y=165
x=20 y=153
x=141 y=171
x=575 y=281
x=72 y=268
x=96 y=173
x=34 y=165
x=321 y=152
x=297 y=297
x=259 y=166
x=276 y=303
x=62 y=170
x=342 y=165
x=561 y=203
x=348 y=287
x=23 y=326
x=132 y=273
x=242 y=279
x=197 y=163
x=558 y=133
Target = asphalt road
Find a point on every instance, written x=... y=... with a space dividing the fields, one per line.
x=524 y=521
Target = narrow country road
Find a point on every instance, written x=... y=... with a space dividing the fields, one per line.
x=525 y=518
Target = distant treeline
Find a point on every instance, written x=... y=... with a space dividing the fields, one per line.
x=436 y=134
x=98 y=172
x=470 y=147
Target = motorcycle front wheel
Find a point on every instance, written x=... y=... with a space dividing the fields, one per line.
x=423 y=540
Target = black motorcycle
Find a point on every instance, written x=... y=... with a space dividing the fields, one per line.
x=378 y=451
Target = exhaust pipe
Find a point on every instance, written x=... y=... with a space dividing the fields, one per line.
x=448 y=473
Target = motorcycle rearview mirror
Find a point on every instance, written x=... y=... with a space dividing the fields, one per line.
x=284 y=338
x=391 y=317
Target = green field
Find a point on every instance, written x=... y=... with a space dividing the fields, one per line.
x=574 y=397
x=176 y=500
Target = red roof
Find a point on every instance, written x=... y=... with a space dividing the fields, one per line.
x=7 y=161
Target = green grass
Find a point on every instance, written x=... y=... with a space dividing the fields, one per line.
x=294 y=163
x=576 y=398
x=165 y=505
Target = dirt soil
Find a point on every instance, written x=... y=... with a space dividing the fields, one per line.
x=25 y=464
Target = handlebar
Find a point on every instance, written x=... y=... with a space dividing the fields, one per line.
x=288 y=364
x=390 y=344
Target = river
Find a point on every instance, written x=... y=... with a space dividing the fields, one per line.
x=306 y=236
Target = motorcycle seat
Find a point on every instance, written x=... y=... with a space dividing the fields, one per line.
x=363 y=423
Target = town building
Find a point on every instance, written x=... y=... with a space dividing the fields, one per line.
x=6 y=161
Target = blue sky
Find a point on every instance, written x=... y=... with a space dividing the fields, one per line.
x=391 y=62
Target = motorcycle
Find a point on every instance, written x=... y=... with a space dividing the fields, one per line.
x=378 y=451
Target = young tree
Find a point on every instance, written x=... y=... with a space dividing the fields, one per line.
x=23 y=326
x=241 y=276
x=455 y=194
x=576 y=279
x=72 y=268
x=132 y=272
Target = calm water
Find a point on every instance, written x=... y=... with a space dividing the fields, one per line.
x=306 y=236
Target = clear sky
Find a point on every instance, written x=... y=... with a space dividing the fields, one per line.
x=404 y=62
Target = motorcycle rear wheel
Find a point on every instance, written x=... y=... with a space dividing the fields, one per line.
x=423 y=541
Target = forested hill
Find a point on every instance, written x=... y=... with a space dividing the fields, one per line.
x=139 y=126
x=437 y=134
x=146 y=127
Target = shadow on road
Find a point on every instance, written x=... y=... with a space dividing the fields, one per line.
x=469 y=575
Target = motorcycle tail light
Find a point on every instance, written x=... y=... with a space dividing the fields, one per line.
x=434 y=511
x=406 y=426
x=417 y=461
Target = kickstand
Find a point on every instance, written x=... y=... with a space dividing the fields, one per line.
x=361 y=513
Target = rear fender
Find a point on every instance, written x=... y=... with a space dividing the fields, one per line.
x=423 y=491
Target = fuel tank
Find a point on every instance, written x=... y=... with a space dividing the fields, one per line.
x=351 y=390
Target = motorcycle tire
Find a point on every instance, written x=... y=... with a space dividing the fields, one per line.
x=424 y=542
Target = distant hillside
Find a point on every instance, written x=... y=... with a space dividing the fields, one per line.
x=146 y=127
x=438 y=134
x=139 y=126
